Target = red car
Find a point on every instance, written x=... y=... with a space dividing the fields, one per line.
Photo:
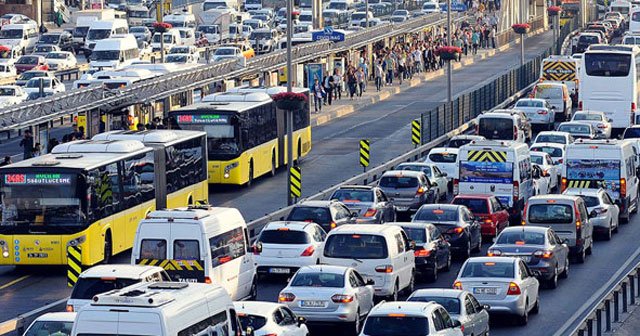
x=491 y=214
x=31 y=62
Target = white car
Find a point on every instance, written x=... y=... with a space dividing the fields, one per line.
x=53 y=85
x=44 y=49
x=598 y=120
x=549 y=170
x=431 y=7
x=185 y=49
x=446 y=159
x=603 y=212
x=410 y=318
x=59 y=324
x=540 y=181
x=458 y=141
x=330 y=294
x=505 y=284
x=7 y=70
x=556 y=151
x=437 y=177
x=58 y=60
x=287 y=246
x=11 y=94
x=180 y=59
x=563 y=138
x=268 y=318
x=539 y=111
x=225 y=53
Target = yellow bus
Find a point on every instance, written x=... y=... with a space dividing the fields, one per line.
x=93 y=194
x=246 y=135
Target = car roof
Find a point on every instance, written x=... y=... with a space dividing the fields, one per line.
x=483 y=196
x=362 y=229
x=57 y=317
x=491 y=259
x=442 y=292
x=529 y=228
x=467 y=136
x=406 y=307
x=582 y=191
x=532 y=99
x=318 y=204
x=402 y=173
x=119 y=271
x=442 y=206
x=291 y=225
x=413 y=225
x=564 y=134
x=355 y=186
x=547 y=144
x=436 y=150
x=324 y=269
x=554 y=196
x=574 y=123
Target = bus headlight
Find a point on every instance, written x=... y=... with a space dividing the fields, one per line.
x=228 y=168
x=77 y=241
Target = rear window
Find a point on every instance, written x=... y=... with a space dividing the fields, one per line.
x=457 y=143
x=588 y=39
x=521 y=238
x=410 y=167
x=496 y=128
x=153 y=249
x=607 y=65
x=476 y=205
x=488 y=270
x=590 y=201
x=552 y=138
x=436 y=215
x=552 y=151
x=398 y=182
x=358 y=246
x=47 y=328
x=186 y=250
x=631 y=133
x=548 y=92
x=87 y=288
x=284 y=237
x=443 y=157
x=418 y=235
x=529 y=103
x=310 y=214
x=353 y=195
x=396 y=326
x=537 y=159
x=254 y=321
x=587 y=116
x=574 y=129
x=550 y=213
x=452 y=305
x=318 y=280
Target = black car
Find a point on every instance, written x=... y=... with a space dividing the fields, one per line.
x=458 y=225
x=327 y=214
x=62 y=39
x=432 y=252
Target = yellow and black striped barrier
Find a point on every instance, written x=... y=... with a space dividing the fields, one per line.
x=559 y=71
x=295 y=183
x=364 y=153
x=74 y=264
x=485 y=155
x=173 y=265
x=416 y=132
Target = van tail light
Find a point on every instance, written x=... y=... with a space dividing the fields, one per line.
x=370 y=212
x=543 y=112
x=515 y=132
x=580 y=105
x=524 y=214
x=494 y=253
x=623 y=188
x=456 y=230
x=457 y=285
x=516 y=191
x=633 y=107
x=384 y=269
x=286 y=297
x=543 y=254
x=69 y=309
x=207 y=280
x=514 y=289
x=563 y=183
x=456 y=187
x=339 y=298
x=308 y=251
x=422 y=253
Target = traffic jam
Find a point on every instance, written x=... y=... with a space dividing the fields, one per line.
x=516 y=202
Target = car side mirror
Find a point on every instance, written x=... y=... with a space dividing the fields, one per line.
x=610 y=120
x=593 y=214
x=282 y=218
x=535 y=273
x=456 y=324
x=370 y=282
x=355 y=214
x=486 y=307
x=301 y=320
x=257 y=248
x=412 y=244
x=249 y=331
x=565 y=241
x=443 y=174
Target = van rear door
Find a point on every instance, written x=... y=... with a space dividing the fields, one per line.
x=487 y=171
x=187 y=252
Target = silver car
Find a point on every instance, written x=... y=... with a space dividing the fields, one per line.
x=370 y=203
x=539 y=111
x=504 y=283
x=461 y=305
x=598 y=120
x=603 y=212
x=408 y=190
x=329 y=294
x=436 y=177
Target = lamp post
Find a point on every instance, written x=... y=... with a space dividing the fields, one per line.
x=449 y=68
x=289 y=114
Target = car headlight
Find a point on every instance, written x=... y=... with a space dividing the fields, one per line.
x=77 y=241
x=228 y=169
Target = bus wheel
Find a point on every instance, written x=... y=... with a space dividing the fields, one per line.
x=273 y=164
x=107 y=248
x=250 y=181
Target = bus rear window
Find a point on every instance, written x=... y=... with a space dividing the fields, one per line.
x=550 y=214
x=607 y=65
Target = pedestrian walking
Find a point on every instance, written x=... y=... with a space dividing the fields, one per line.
x=318 y=93
x=27 y=145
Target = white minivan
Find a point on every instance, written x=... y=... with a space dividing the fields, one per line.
x=23 y=35
x=160 y=309
x=115 y=53
x=100 y=30
x=199 y=244
x=501 y=126
x=382 y=253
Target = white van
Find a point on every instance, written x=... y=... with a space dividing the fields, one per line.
x=180 y=20
x=160 y=309
x=171 y=38
x=634 y=22
x=199 y=244
x=501 y=126
x=607 y=164
x=623 y=7
x=502 y=169
x=100 y=30
x=115 y=53
x=24 y=36
x=382 y=253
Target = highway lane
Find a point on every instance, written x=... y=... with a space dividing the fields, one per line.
x=333 y=159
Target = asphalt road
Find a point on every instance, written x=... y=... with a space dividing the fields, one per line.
x=334 y=159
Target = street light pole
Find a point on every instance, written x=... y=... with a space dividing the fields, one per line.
x=449 y=68
x=366 y=13
x=289 y=114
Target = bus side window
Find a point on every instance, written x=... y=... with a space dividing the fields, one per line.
x=105 y=191
x=138 y=180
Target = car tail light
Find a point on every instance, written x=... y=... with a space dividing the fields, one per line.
x=560 y=160
x=494 y=253
x=544 y=254
x=516 y=191
x=457 y=285
x=207 y=280
x=580 y=105
x=69 y=309
x=514 y=289
x=456 y=230
x=420 y=191
x=456 y=186
x=384 y=269
x=462 y=327
x=339 y=298
x=286 y=297
x=370 y=212
x=623 y=188
x=422 y=253
x=602 y=126
x=333 y=225
x=633 y=107
x=543 y=112
x=308 y=251
x=563 y=184
x=578 y=222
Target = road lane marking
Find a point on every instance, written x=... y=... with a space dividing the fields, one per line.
x=13 y=282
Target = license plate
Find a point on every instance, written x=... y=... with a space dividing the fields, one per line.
x=485 y=290
x=313 y=304
x=279 y=270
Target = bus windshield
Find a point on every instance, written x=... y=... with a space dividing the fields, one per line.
x=41 y=202
x=607 y=65
x=221 y=135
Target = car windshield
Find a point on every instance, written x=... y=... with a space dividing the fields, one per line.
x=254 y=321
x=552 y=138
x=50 y=328
x=418 y=235
x=49 y=39
x=358 y=246
x=35 y=82
x=11 y=34
x=98 y=34
x=27 y=60
x=398 y=182
x=488 y=269
x=87 y=288
x=550 y=213
x=319 y=279
x=398 y=18
x=105 y=55
x=31 y=74
x=179 y=50
x=587 y=116
x=631 y=133
x=316 y=215
x=225 y=51
x=521 y=237
x=353 y=195
x=407 y=166
x=210 y=29
x=396 y=326
x=43 y=49
x=429 y=6
x=436 y=215
x=176 y=58
x=452 y=305
x=574 y=129
x=553 y=151
x=284 y=236
x=260 y=35
x=338 y=5
x=529 y=103
x=56 y=55
x=137 y=29
x=5 y=91
x=476 y=205
x=443 y=157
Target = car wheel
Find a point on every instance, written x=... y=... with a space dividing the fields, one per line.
x=536 y=307
x=108 y=251
x=607 y=235
x=565 y=272
x=250 y=181
x=254 y=289
x=447 y=267
x=467 y=252
x=580 y=257
x=433 y=277
x=617 y=226
x=412 y=283
x=356 y=323
x=590 y=249
x=524 y=318
x=394 y=295
x=553 y=282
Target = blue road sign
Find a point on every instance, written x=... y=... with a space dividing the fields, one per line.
x=328 y=33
